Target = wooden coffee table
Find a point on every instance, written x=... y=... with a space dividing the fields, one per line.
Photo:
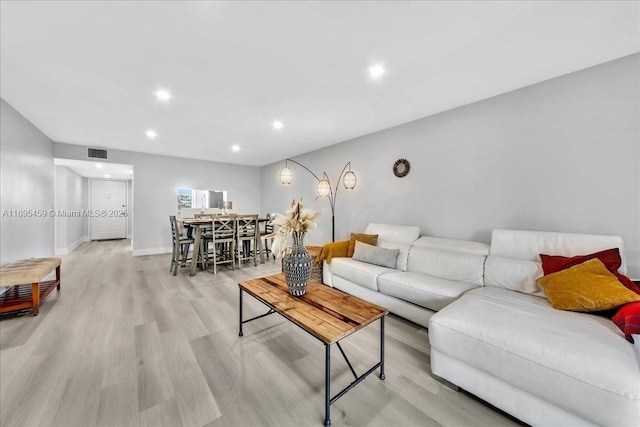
x=326 y=313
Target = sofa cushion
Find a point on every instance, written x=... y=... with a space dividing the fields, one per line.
x=610 y=258
x=446 y=265
x=589 y=286
x=393 y=236
x=403 y=255
x=453 y=245
x=358 y=272
x=628 y=320
x=514 y=257
x=514 y=274
x=554 y=263
x=371 y=239
x=527 y=245
x=375 y=255
x=426 y=291
x=579 y=362
x=392 y=233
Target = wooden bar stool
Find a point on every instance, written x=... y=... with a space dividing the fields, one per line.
x=246 y=235
x=181 y=244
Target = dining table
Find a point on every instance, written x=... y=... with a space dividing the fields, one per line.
x=199 y=225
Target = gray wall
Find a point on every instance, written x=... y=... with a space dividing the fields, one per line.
x=71 y=195
x=562 y=155
x=156 y=181
x=26 y=182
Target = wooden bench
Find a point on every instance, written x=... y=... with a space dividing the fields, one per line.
x=19 y=274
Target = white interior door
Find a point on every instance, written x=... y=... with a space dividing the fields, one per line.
x=108 y=204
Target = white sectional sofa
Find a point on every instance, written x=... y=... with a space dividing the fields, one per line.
x=430 y=272
x=495 y=334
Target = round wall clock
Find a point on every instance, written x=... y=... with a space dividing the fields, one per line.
x=401 y=168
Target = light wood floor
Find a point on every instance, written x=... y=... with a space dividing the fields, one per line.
x=126 y=344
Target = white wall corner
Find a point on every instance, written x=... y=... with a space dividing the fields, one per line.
x=72 y=247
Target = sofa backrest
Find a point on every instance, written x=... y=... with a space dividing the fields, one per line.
x=514 y=258
x=458 y=260
x=393 y=236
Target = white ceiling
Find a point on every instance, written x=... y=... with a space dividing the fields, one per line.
x=97 y=169
x=85 y=72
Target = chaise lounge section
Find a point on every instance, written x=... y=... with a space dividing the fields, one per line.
x=506 y=344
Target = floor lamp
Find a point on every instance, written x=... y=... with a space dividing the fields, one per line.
x=348 y=178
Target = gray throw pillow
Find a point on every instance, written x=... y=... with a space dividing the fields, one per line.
x=375 y=255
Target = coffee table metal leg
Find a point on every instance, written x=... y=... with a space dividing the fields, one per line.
x=382 y=348
x=327 y=385
x=240 y=324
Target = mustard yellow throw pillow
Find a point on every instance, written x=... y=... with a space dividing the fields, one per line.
x=370 y=239
x=589 y=286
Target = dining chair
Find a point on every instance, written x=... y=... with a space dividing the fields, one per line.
x=267 y=234
x=246 y=236
x=206 y=233
x=221 y=244
x=180 y=246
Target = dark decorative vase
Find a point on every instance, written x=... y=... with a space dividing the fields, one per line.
x=297 y=266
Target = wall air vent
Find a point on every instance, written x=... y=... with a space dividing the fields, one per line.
x=97 y=153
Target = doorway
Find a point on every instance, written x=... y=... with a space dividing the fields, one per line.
x=108 y=208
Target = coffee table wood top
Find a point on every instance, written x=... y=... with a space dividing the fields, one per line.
x=324 y=312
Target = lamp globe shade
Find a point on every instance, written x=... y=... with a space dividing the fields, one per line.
x=286 y=175
x=324 y=188
x=349 y=180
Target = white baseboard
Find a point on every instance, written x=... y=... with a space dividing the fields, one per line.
x=152 y=251
x=77 y=243
x=72 y=247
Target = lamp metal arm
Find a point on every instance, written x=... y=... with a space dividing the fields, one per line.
x=308 y=170
x=332 y=193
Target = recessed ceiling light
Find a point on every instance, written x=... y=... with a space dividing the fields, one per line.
x=151 y=134
x=99 y=165
x=235 y=148
x=376 y=71
x=107 y=175
x=131 y=172
x=163 y=95
x=278 y=124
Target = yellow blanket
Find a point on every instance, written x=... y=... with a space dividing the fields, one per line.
x=333 y=250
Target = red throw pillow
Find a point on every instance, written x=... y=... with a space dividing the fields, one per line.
x=609 y=257
x=628 y=319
